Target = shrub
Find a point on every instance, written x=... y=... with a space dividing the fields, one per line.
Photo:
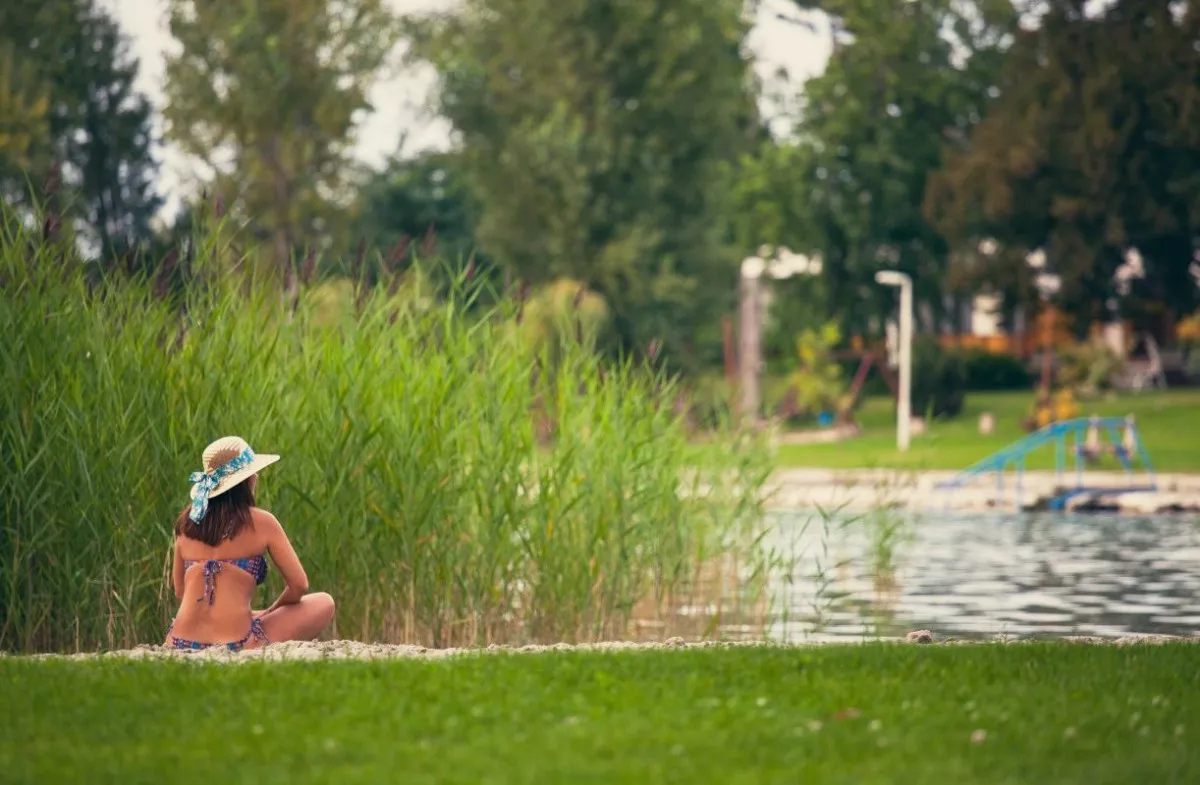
x=939 y=379
x=994 y=371
x=711 y=403
x=1187 y=332
x=818 y=380
x=413 y=483
x=1188 y=335
x=1191 y=367
x=561 y=312
x=1088 y=368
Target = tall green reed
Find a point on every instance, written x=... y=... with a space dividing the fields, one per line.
x=449 y=481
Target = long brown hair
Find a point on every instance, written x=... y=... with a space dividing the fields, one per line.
x=224 y=519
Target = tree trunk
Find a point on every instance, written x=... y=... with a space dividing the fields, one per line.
x=283 y=232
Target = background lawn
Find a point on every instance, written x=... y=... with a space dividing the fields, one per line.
x=1040 y=713
x=1169 y=423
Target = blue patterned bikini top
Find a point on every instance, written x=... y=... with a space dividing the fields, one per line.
x=256 y=566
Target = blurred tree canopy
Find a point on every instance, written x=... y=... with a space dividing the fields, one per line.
x=267 y=93
x=418 y=197
x=67 y=99
x=598 y=138
x=905 y=81
x=769 y=204
x=1093 y=148
x=618 y=146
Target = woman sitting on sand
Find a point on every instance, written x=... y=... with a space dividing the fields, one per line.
x=221 y=543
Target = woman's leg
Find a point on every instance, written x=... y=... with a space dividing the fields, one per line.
x=300 y=622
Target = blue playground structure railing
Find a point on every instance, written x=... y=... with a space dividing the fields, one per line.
x=1073 y=434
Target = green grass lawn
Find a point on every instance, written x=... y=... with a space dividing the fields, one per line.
x=1039 y=713
x=1169 y=423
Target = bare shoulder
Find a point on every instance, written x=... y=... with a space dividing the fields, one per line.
x=263 y=518
x=186 y=547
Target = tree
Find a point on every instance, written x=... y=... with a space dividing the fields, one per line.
x=904 y=81
x=23 y=111
x=67 y=96
x=412 y=198
x=266 y=93
x=768 y=197
x=1088 y=156
x=598 y=139
x=114 y=152
x=770 y=207
x=33 y=40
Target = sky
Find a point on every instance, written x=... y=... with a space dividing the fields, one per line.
x=401 y=99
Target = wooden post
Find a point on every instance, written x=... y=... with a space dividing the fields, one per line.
x=749 y=356
x=1047 y=347
x=730 y=352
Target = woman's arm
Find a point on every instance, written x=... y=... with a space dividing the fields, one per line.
x=177 y=570
x=286 y=561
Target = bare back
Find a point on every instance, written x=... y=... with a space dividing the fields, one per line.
x=216 y=584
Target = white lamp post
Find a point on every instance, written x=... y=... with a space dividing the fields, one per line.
x=904 y=405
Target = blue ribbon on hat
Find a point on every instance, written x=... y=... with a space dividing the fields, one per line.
x=204 y=483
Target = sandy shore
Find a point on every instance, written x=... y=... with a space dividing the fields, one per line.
x=354 y=650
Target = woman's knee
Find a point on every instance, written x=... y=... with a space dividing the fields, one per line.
x=323 y=603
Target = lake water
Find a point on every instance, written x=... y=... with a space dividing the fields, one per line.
x=976 y=576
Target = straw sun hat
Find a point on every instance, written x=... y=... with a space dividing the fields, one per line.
x=227 y=462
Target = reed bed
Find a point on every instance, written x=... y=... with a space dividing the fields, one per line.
x=449 y=481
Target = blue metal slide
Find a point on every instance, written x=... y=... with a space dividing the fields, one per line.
x=1125 y=443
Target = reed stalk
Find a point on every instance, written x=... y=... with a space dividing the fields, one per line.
x=413 y=481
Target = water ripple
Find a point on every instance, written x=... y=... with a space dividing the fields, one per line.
x=981 y=576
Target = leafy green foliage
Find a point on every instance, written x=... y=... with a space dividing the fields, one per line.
x=1092 y=148
x=1087 y=367
x=67 y=98
x=412 y=200
x=1192 y=364
x=266 y=94
x=939 y=379
x=560 y=313
x=769 y=202
x=24 y=109
x=904 y=80
x=770 y=207
x=995 y=371
x=598 y=138
x=817 y=379
x=440 y=481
